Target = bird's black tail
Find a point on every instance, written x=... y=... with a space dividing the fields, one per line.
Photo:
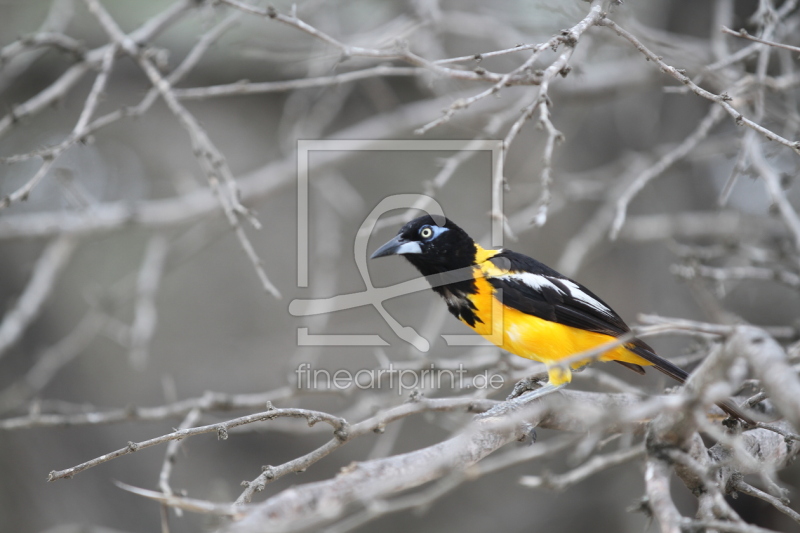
x=643 y=350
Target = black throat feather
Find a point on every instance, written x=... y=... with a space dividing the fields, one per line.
x=454 y=292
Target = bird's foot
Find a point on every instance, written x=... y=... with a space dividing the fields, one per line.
x=525 y=385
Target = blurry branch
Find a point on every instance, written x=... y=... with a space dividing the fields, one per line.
x=51 y=153
x=657 y=479
x=92 y=59
x=51 y=262
x=723 y=100
x=779 y=503
x=769 y=19
x=775 y=190
x=221 y=429
x=248 y=87
x=171 y=456
x=207 y=154
x=186 y=504
x=671 y=424
x=17 y=57
x=743 y=34
x=374 y=424
x=720 y=225
x=542 y=102
x=786 y=277
x=449 y=168
x=520 y=75
x=210 y=401
x=569 y=38
x=41 y=39
x=672 y=441
x=598 y=463
x=754 y=149
x=308 y=506
x=311 y=505
x=197 y=204
x=145 y=314
x=50 y=362
x=679 y=152
x=595 y=230
x=399 y=52
x=425 y=498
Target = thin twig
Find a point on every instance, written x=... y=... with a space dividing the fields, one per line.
x=45 y=273
x=720 y=99
x=248 y=87
x=146 y=314
x=208 y=155
x=221 y=429
x=713 y=116
x=744 y=35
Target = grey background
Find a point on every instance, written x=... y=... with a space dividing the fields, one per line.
x=217 y=329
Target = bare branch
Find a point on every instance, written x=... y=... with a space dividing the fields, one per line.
x=45 y=273
x=209 y=156
x=221 y=429
x=745 y=488
x=210 y=401
x=594 y=465
x=146 y=314
x=187 y=504
x=18 y=57
x=273 y=473
x=73 y=75
x=659 y=500
x=744 y=35
x=721 y=99
x=768 y=361
x=50 y=362
x=247 y=87
x=679 y=152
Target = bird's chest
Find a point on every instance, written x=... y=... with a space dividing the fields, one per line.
x=519 y=333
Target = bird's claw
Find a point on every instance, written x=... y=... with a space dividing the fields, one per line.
x=524 y=385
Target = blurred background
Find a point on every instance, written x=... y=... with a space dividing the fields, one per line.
x=111 y=340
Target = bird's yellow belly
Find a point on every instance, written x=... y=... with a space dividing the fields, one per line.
x=538 y=339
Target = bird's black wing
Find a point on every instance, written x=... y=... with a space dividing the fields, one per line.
x=536 y=289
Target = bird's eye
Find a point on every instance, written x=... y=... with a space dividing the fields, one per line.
x=426 y=232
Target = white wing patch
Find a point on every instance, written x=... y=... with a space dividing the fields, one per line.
x=537 y=281
x=578 y=294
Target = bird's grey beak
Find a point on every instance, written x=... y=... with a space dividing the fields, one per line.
x=397 y=246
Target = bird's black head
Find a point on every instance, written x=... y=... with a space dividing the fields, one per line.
x=433 y=244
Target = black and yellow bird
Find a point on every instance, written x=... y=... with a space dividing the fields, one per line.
x=545 y=315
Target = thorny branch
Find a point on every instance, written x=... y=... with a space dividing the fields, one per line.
x=664 y=431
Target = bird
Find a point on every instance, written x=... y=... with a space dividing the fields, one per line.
x=545 y=316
